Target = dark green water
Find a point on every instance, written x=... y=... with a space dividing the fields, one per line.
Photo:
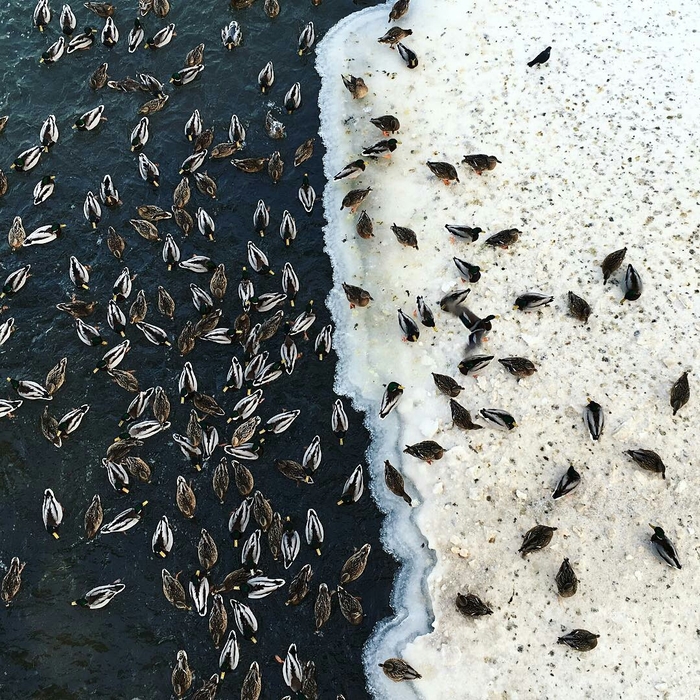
x=48 y=649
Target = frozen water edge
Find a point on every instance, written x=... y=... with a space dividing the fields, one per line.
x=598 y=153
x=400 y=533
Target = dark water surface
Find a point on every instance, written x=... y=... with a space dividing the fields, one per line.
x=48 y=649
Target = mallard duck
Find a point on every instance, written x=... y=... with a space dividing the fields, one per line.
x=48 y=134
x=27 y=160
x=518 y=366
x=388 y=124
x=56 y=377
x=93 y=517
x=43 y=235
x=427 y=450
x=355 y=86
x=185 y=498
x=153 y=106
x=394 y=481
x=15 y=281
x=594 y=418
x=405 y=236
x=136 y=36
x=192 y=163
x=445 y=171
x=54 y=52
x=7 y=407
x=306 y=39
x=351 y=170
x=275 y=167
x=356 y=295
x=394 y=36
x=354 y=198
x=397 y=669
x=532 y=300
x=409 y=57
x=290 y=282
x=244 y=619
x=323 y=342
x=288 y=228
x=207 y=551
x=392 y=395
x=680 y=393
x=140 y=134
x=231 y=35
x=110 y=33
x=612 y=262
x=236 y=132
x=480 y=162
x=77 y=308
x=218 y=620
x=101 y=9
x=196 y=56
x=186 y=75
x=292 y=98
x=109 y=193
x=67 y=20
x=580 y=640
x=355 y=565
x=193 y=126
x=182 y=675
x=12 y=581
x=80 y=42
x=204 y=140
x=208 y=690
x=6 y=329
x=42 y=15
x=398 y=10
x=92 y=210
x=291 y=669
x=408 y=326
x=15 y=238
x=100 y=596
x=567 y=583
x=149 y=170
x=633 y=285
x=568 y=482
x=272 y=8
x=381 y=149
x=262 y=511
x=579 y=308
x=252 y=683
x=350 y=607
x=299 y=586
x=266 y=78
x=504 y=238
x=304 y=152
x=43 y=190
x=161 y=38
x=90 y=119
x=52 y=513
x=353 y=488
x=31 y=391
x=274 y=128
x=471 y=605
x=173 y=590
x=648 y=460
x=223 y=150
x=4 y=184
x=322 y=606
x=536 y=538
x=468 y=233
x=250 y=165
x=664 y=547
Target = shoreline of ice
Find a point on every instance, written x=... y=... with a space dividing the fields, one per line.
x=597 y=154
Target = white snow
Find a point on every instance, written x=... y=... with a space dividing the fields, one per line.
x=598 y=152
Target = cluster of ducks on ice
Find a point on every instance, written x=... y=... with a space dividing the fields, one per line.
x=253 y=335
x=455 y=303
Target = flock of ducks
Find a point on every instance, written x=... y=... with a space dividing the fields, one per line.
x=455 y=303
x=264 y=333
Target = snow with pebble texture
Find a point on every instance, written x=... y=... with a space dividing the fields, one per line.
x=598 y=151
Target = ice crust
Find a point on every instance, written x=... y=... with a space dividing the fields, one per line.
x=598 y=151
